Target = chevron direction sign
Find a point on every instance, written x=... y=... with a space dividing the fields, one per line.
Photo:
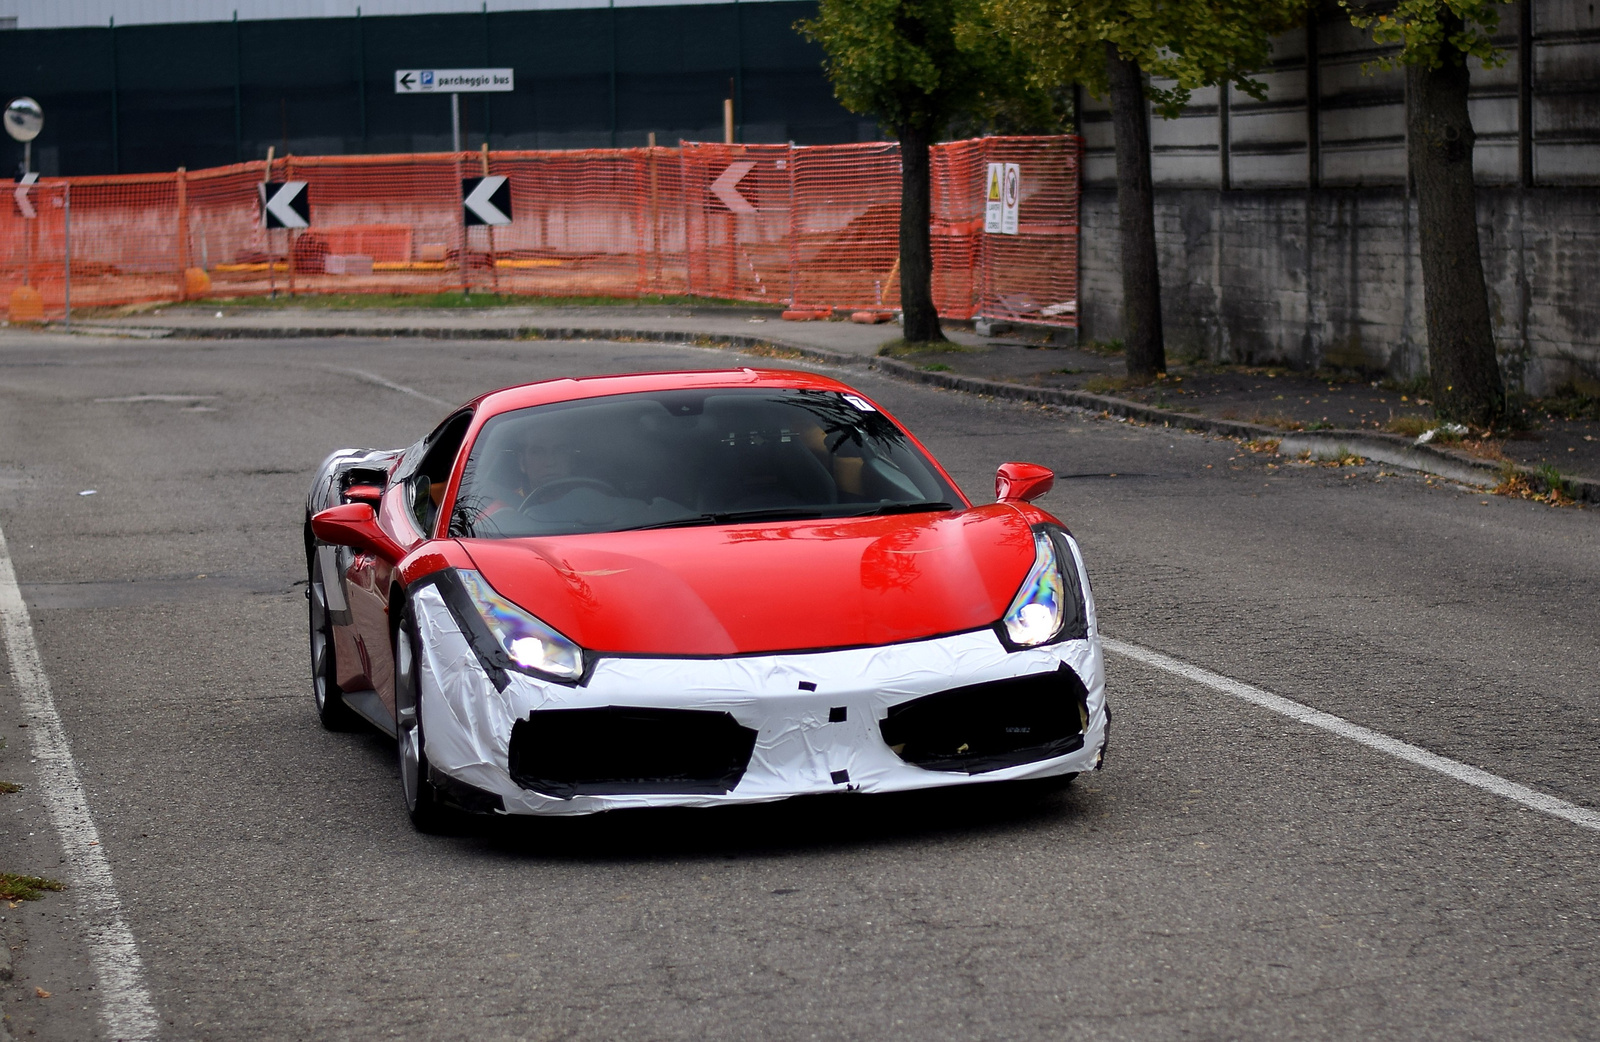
x=487 y=200
x=285 y=204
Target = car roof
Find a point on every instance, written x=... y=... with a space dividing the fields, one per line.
x=566 y=389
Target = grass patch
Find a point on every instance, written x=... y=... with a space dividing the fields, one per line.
x=1282 y=421
x=9 y=787
x=1342 y=458
x=1319 y=425
x=1416 y=385
x=451 y=300
x=1569 y=403
x=1102 y=347
x=936 y=367
x=25 y=888
x=1410 y=426
x=900 y=348
x=1104 y=384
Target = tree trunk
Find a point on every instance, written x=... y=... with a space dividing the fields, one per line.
x=916 y=248
x=1145 y=348
x=1461 y=355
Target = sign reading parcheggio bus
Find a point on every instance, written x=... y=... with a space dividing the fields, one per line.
x=453 y=81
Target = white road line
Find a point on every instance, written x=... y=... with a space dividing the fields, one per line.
x=126 y=1005
x=1481 y=779
x=374 y=378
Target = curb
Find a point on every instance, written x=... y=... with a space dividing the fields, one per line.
x=1392 y=449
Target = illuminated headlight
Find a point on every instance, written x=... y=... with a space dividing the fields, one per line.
x=1049 y=606
x=530 y=643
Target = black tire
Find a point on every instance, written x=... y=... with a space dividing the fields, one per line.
x=331 y=708
x=423 y=803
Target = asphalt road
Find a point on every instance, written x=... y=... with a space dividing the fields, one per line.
x=1230 y=874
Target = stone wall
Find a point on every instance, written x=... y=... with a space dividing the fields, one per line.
x=1333 y=277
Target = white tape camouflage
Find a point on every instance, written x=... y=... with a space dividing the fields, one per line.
x=467 y=722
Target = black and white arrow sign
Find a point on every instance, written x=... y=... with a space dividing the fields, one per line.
x=24 y=204
x=487 y=200
x=284 y=204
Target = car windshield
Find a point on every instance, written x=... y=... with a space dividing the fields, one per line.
x=677 y=458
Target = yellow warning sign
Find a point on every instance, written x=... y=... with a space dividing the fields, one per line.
x=994 y=182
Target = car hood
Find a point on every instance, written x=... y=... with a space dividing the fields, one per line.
x=743 y=589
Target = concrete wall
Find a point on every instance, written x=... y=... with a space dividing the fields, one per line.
x=1285 y=227
x=1333 y=276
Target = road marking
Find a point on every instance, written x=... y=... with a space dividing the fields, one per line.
x=125 y=1002
x=374 y=378
x=1413 y=754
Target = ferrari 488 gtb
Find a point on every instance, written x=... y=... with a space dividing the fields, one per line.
x=693 y=589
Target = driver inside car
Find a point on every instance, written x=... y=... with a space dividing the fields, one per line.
x=541 y=461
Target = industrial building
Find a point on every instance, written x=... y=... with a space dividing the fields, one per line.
x=144 y=85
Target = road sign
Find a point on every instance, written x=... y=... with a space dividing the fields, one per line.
x=487 y=200
x=1011 y=199
x=24 y=204
x=993 y=186
x=285 y=204
x=724 y=187
x=453 y=81
x=1001 y=198
x=24 y=119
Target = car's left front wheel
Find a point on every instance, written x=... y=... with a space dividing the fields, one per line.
x=427 y=810
x=331 y=708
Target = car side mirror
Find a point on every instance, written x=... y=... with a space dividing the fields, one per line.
x=355 y=525
x=364 y=494
x=1022 y=482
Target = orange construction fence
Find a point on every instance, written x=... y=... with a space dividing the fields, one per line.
x=805 y=227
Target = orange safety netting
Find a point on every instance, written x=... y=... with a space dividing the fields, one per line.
x=808 y=226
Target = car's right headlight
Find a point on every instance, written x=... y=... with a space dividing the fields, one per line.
x=530 y=643
x=1049 y=605
x=504 y=636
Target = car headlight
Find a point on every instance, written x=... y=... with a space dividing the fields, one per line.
x=529 y=643
x=1049 y=606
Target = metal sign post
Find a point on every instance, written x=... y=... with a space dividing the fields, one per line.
x=66 y=217
x=454 y=82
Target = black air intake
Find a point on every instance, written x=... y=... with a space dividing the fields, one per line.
x=623 y=750
x=985 y=727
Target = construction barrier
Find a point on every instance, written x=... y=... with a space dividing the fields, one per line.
x=808 y=227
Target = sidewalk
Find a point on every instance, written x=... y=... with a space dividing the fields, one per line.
x=1323 y=416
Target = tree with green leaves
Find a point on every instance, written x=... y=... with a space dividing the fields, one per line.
x=1436 y=39
x=916 y=65
x=1111 y=47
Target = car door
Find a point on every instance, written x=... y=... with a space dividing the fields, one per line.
x=408 y=513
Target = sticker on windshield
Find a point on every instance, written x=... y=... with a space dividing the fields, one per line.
x=860 y=403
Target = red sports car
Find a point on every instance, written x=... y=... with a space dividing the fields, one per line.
x=692 y=589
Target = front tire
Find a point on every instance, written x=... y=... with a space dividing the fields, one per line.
x=424 y=805
x=331 y=708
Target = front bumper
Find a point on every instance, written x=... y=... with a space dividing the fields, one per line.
x=817 y=717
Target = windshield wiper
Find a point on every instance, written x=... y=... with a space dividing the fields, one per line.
x=729 y=517
x=903 y=508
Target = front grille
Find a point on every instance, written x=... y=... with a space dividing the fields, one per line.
x=985 y=727
x=622 y=750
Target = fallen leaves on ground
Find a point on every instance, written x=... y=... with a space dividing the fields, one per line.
x=1517 y=485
